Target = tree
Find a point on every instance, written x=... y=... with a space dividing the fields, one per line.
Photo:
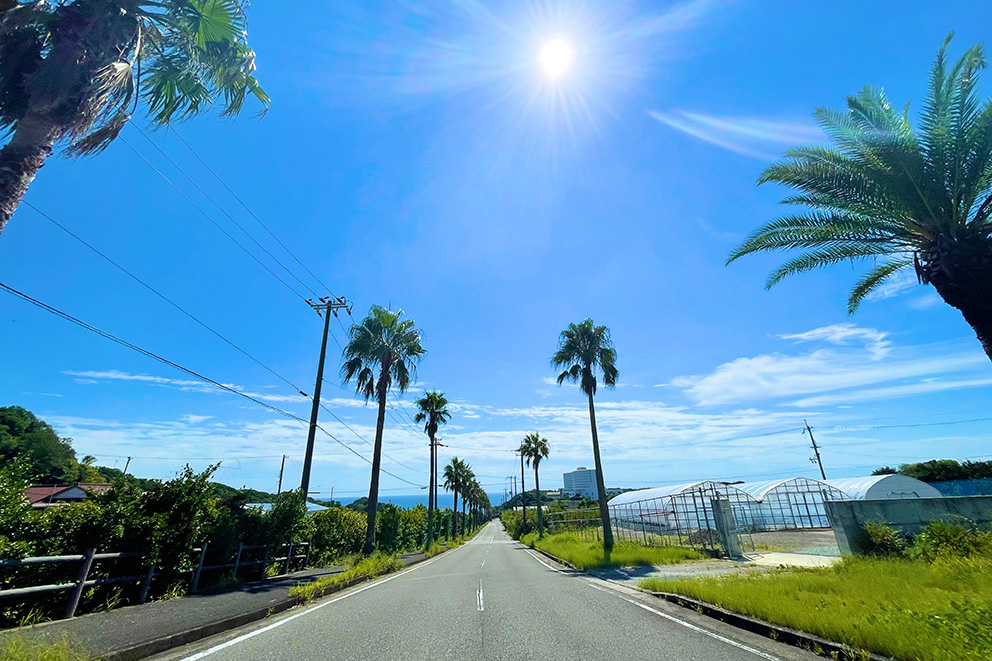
x=50 y=458
x=454 y=481
x=534 y=448
x=73 y=71
x=904 y=198
x=584 y=349
x=433 y=412
x=383 y=348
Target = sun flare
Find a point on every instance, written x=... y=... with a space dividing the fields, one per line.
x=556 y=57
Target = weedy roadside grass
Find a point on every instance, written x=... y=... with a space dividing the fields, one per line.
x=585 y=554
x=374 y=565
x=18 y=649
x=898 y=607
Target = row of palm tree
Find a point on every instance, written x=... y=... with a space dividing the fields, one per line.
x=460 y=480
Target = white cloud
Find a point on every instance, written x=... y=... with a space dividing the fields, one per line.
x=191 y=419
x=94 y=376
x=900 y=283
x=856 y=357
x=758 y=138
x=925 y=302
x=893 y=392
x=847 y=334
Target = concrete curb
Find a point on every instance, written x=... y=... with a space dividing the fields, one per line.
x=166 y=643
x=777 y=632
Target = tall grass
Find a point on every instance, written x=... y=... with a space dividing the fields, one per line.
x=903 y=608
x=374 y=565
x=589 y=554
x=18 y=649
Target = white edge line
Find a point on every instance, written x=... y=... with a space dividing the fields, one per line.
x=312 y=609
x=688 y=625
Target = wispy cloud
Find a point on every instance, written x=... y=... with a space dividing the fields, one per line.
x=847 y=334
x=95 y=376
x=758 y=138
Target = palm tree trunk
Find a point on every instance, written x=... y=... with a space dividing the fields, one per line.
x=22 y=157
x=464 y=517
x=969 y=288
x=430 y=499
x=454 y=523
x=376 y=461
x=540 y=519
x=604 y=509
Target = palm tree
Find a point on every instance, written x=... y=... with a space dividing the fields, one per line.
x=73 y=72
x=433 y=412
x=454 y=481
x=523 y=491
x=582 y=350
x=468 y=478
x=534 y=449
x=904 y=198
x=384 y=347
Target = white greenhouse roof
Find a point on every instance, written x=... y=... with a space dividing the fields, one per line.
x=758 y=490
x=884 y=486
x=654 y=492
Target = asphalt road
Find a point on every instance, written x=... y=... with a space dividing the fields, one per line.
x=490 y=599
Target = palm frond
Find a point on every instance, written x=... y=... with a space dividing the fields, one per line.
x=815 y=259
x=872 y=280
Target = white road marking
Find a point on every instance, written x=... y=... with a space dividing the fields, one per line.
x=672 y=618
x=688 y=625
x=252 y=634
x=482 y=603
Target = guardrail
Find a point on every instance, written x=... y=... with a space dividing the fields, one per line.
x=90 y=557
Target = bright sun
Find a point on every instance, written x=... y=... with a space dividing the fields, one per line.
x=556 y=56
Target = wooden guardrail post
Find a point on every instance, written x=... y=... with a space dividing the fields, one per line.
x=306 y=559
x=77 y=593
x=289 y=558
x=199 y=568
x=146 y=584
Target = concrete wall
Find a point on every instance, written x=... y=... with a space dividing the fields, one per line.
x=907 y=515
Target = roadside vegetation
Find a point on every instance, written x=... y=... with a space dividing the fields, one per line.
x=16 y=648
x=371 y=566
x=586 y=554
x=929 y=599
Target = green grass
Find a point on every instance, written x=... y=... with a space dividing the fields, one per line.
x=589 y=554
x=374 y=565
x=17 y=649
x=901 y=608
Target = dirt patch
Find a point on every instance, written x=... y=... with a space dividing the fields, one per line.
x=819 y=541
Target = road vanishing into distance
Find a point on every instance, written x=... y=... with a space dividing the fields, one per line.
x=490 y=599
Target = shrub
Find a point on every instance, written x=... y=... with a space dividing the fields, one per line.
x=881 y=540
x=372 y=566
x=950 y=539
x=335 y=532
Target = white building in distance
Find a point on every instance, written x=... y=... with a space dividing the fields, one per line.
x=581 y=481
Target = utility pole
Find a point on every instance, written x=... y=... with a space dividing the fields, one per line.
x=816 y=450
x=523 y=491
x=126 y=464
x=282 y=466
x=329 y=306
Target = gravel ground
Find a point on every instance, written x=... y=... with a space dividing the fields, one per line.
x=812 y=542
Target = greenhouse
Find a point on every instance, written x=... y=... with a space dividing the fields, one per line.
x=884 y=486
x=790 y=504
x=679 y=509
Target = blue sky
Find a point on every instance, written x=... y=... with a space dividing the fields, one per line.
x=417 y=156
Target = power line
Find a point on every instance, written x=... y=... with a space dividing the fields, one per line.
x=240 y=201
x=224 y=211
x=208 y=217
x=186 y=370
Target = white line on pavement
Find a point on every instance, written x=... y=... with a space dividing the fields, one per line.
x=676 y=620
x=482 y=603
x=252 y=634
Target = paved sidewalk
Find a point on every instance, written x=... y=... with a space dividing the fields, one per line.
x=137 y=631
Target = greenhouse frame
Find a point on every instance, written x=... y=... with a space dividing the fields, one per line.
x=791 y=504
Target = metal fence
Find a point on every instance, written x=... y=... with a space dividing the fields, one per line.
x=285 y=561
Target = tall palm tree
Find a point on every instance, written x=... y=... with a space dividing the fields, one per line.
x=523 y=491
x=433 y=412
x=455 y=477
x=73 y=72
x=381 y=349
x=901 y=197
x=468 y=478
x=584 y=349
x=535 y=448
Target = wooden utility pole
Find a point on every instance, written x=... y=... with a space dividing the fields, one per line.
x=282 y=467
x=329 y=306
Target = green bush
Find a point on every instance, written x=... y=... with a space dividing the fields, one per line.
x=951 y=539
x=513 y=521
x=881 y=540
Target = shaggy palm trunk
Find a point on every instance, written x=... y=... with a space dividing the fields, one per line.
x=376 y=461
x=604 y=508
x=454 y=523
x=430 y=499
x=22 y=157
x=464 y=515
x=961 y=272
x=537 y=487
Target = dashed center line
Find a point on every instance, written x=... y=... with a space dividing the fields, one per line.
x=482 y=603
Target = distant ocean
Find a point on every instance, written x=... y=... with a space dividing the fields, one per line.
x=406 y=502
